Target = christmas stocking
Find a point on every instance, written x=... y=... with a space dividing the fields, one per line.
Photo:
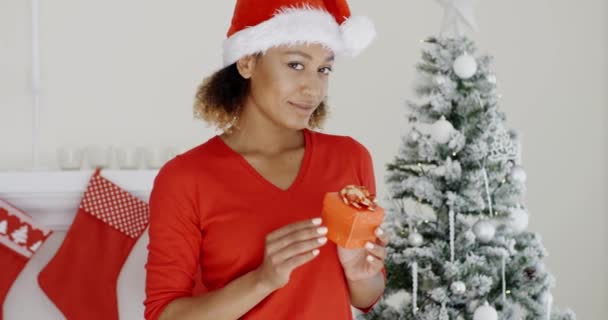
x=81 y=278
x=20 y=237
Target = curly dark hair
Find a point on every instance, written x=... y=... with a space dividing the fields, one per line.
x=220 y=97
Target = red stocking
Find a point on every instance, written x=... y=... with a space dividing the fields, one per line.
x=81 y=278
x=20 y=237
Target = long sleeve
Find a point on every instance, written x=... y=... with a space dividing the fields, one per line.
x=367 y=179
x=175 y=239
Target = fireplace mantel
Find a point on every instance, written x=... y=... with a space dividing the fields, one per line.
x=52 y=197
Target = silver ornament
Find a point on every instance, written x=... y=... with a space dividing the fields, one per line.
x=465 y=66
x=518 y=174
x=458 y=287
x=415 y=239
x=484 y=231
x=485 y=312
x=441 y=130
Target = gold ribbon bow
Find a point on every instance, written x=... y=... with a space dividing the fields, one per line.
x=358 y=197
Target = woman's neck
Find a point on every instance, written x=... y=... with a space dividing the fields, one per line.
x=257 y=134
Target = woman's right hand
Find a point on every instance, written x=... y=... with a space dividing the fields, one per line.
x=288 y=248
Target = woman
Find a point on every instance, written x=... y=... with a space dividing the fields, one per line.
x=243 y=208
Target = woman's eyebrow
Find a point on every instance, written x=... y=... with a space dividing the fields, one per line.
x=307 y=56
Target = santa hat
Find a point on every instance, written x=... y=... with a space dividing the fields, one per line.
x=260 y=25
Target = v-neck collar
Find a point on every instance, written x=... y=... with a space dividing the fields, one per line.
x=301 y=172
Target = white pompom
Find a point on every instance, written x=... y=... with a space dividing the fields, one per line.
x=357 y=33
x=518 y=220
x=484 y=231
x=485 y=312
x=441 y=131
x=465 y=66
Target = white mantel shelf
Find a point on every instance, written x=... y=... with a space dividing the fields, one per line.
x=52 y=197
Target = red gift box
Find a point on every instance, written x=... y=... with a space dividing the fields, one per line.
x=351 y=216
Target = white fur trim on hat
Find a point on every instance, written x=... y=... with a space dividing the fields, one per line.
x=298 y=26
x=357 y=33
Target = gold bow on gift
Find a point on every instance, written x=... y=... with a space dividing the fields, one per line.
x=358 y=197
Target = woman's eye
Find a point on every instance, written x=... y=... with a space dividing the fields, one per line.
x=296 y=66
x=326 y=70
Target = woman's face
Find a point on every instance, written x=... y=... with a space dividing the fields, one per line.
x=289 y=82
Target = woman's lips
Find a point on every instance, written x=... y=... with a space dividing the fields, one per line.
x=305 y=108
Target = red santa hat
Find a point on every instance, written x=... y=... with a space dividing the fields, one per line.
x=258 y=25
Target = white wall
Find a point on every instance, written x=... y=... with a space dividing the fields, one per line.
x=124 y=72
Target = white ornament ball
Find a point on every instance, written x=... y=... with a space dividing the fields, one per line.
x=485 y=312
x=441 y=131
x=491 y=78
x=518 y=174
x=484 y=231
x=518 y=220
x=415 y=239
x=458 y=287
x=465 y=66
x=439 y=80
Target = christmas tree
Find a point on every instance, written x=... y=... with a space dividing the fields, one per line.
x=457 y=186
x=20 y=235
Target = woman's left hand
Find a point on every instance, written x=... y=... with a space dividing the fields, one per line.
x=364 y=263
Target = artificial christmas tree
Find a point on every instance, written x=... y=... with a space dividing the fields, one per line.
x=457 y=186
x=462 y=252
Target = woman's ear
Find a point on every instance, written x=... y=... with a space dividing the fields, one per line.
x=246 y=65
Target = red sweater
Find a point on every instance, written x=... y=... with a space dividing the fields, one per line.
x=210 y=209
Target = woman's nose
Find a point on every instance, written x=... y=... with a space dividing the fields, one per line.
x=313 y=87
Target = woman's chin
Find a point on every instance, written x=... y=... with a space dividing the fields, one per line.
x=297 y=123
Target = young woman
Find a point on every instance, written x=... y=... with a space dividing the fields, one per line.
x=240 y=213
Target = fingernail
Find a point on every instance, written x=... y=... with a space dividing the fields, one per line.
x=322 y=230
x=315 y=252
x=379 y=232
x=370 y=259
x=369 y=246
x=317 y=221
x=322 y=240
